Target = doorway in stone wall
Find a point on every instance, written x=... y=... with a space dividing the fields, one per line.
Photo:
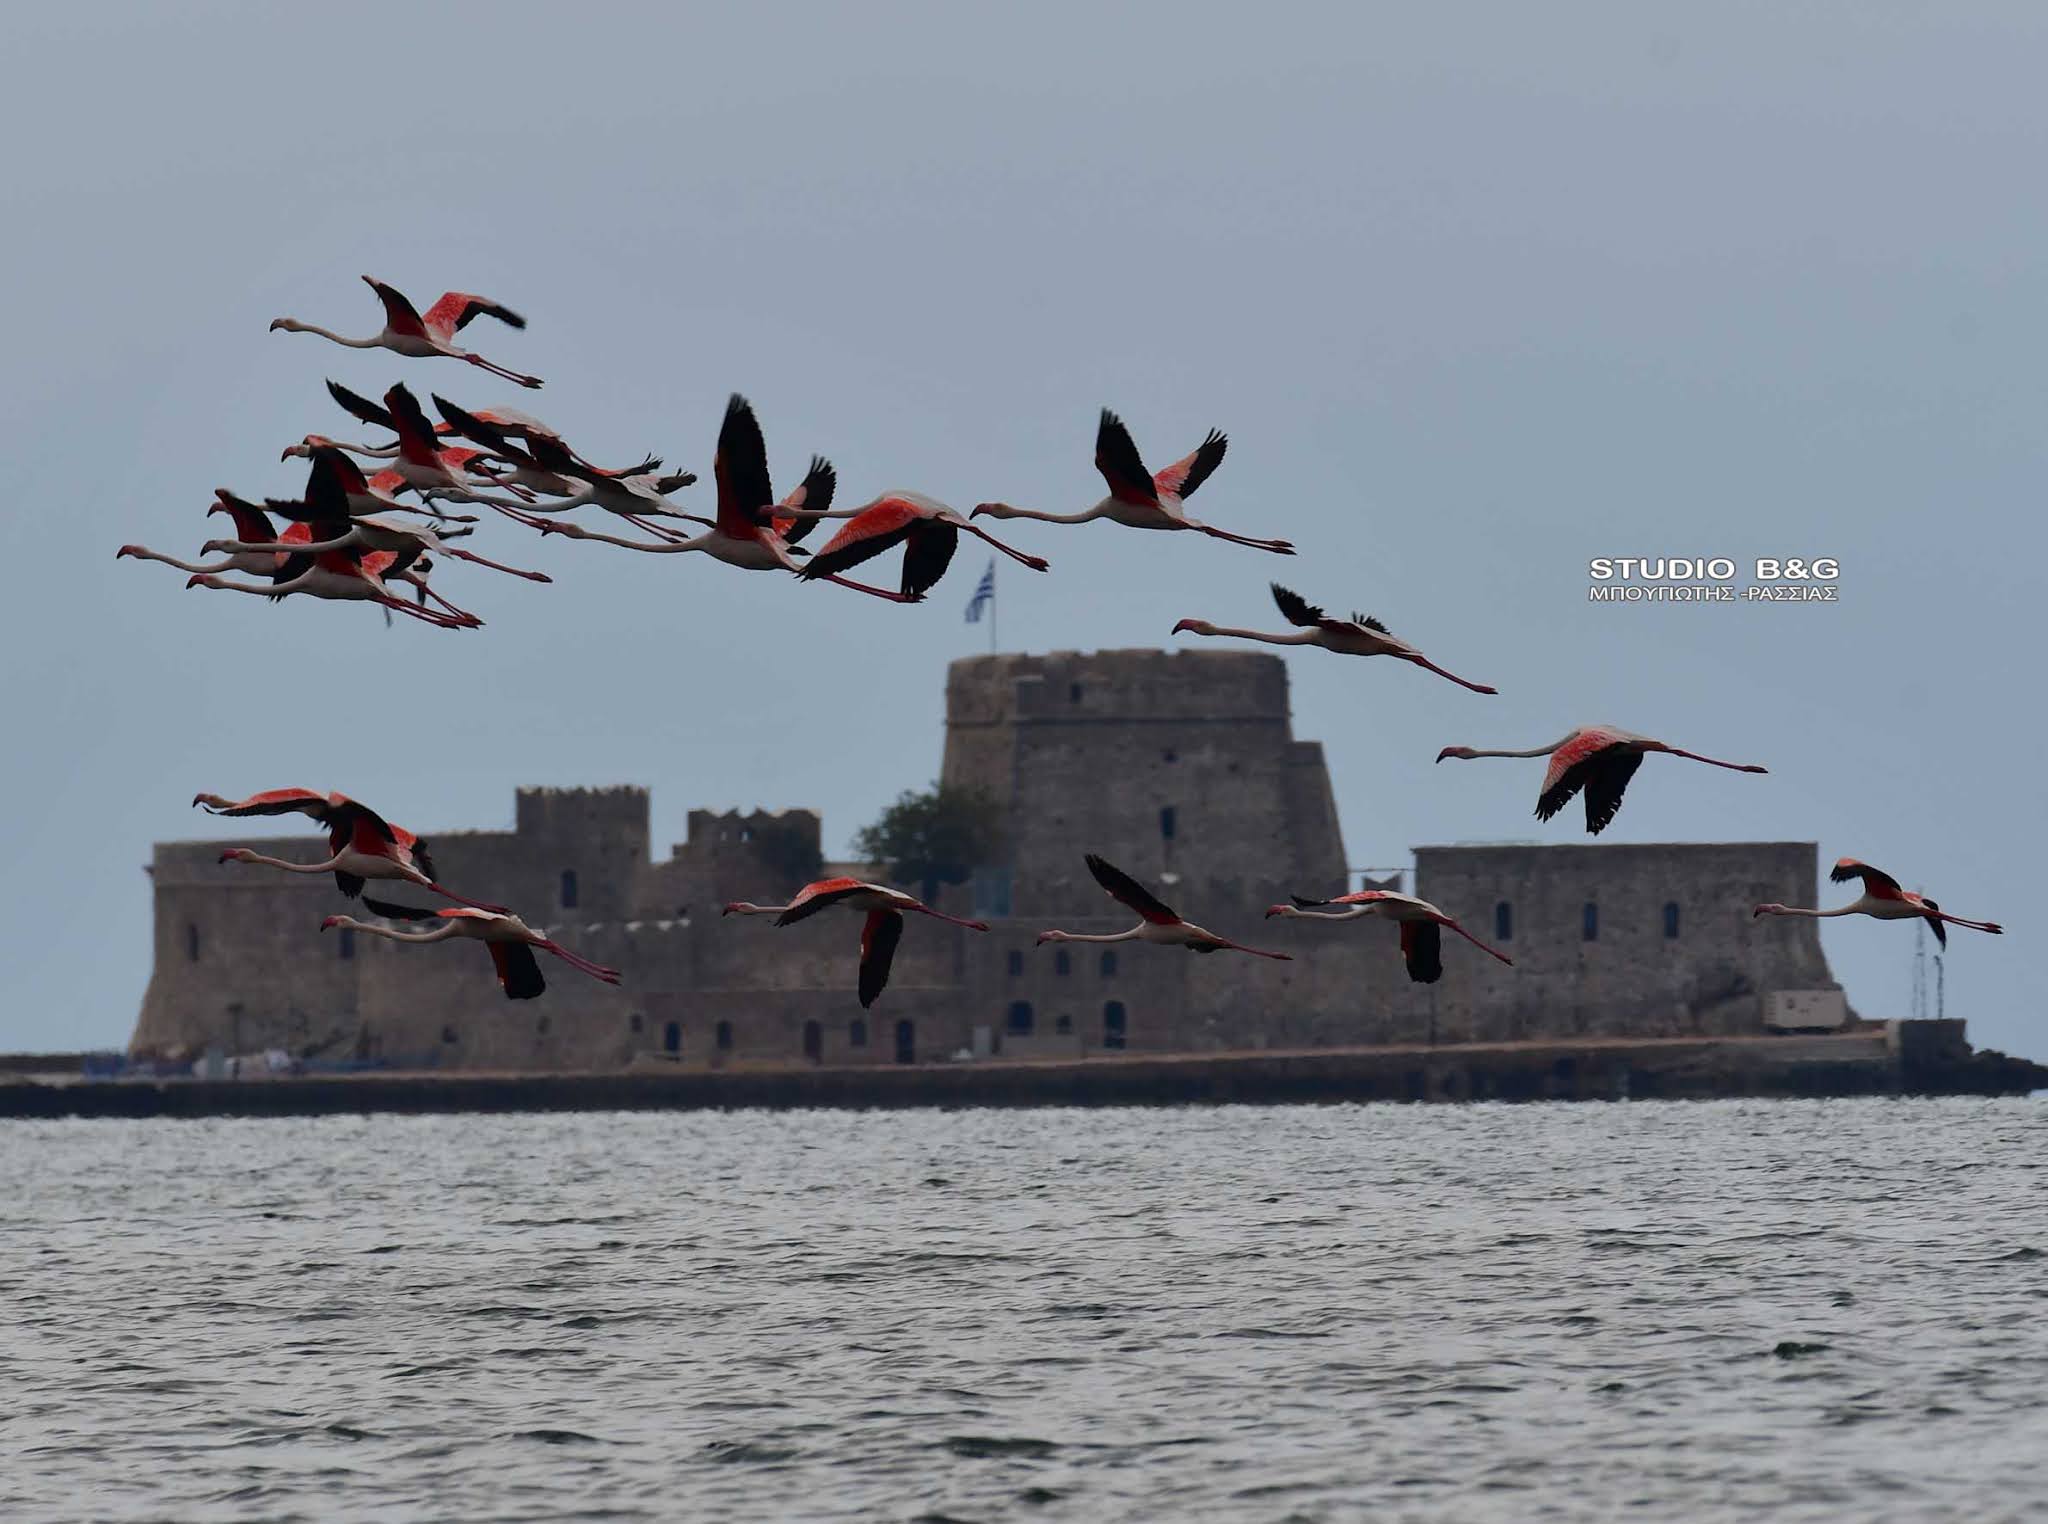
x=906 y=1042
x=814 y=1042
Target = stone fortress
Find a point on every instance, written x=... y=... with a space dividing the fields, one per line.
x=1181 y=767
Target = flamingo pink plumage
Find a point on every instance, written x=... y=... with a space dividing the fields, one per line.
x=1421 y=925
x=363 y=844
x=510 y=940
x=408 y=331
x=1156 y=922
x=1884 y=900
x=882 y=929
x=1360 y=635
x=1598 y=758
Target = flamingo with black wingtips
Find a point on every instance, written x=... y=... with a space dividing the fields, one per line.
x=1142 y=499
x=353 y=575
x=1360 y=635
x=1882 y=899
x=926 y=528
x=1156 y=921
x=407 y=331
x=1599 y=759
x=882 y=929
x=744 y=534
x=364 y=845
x=510 y=940
x=424 y=463
x=1421 y=925
x=251 y=525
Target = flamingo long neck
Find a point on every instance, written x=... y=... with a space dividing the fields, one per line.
x=1858 y=908
x=748 y=907
x=440 y=933
x=1118 y=936
x=277 y=862
x=1540 y=751
x=143 y=553
x=1005 y=511
x=1350 y=913
x=374 y=341
x=1293 y=638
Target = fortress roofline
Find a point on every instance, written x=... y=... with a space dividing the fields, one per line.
x=1525 y=845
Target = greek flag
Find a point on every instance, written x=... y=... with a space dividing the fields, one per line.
x=984 y=593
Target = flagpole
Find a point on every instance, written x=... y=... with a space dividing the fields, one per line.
x=991 y=608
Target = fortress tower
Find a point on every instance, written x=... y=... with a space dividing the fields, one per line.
x=1180 y=766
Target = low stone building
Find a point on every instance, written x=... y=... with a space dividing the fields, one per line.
x=1181 y=767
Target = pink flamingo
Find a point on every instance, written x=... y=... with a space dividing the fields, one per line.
x=880 y=932
x=1360 y=635
x=1138 y=498
x=1156 y=922
x=1421 y=926
x=1884 y=900
x=926 y=528
x=510 y=940
x=407 y=332
x=1598 y=758
x=364 y=845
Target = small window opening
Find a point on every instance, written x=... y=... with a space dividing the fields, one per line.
x=723 y=1037
x=1062 y=964
x=1073 y=693
x=1115 y=1028
x=857 y=1034
x=1168 y=820
x=346 y=947
x=1016 y=961
x=1109 y=963
x=448 y=1034
x=672 y=1037
x=1503 y=922
x=814 y=1041
x=1589 y=923
x=1063 y=1025
x=568 y=888
x=191 y=943
x=1671 y=919
x=1020 y=1018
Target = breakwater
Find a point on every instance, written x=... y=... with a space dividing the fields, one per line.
x=1929 y=1058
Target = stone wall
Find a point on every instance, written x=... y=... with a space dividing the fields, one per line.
x=1086 y=752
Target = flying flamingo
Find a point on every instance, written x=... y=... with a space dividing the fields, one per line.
x=1156 y=924
x=1883 y=899
x=334 y=527
x=546 y=464
x=346 y=575
x=745 y=534
x=926 y=528
x=1140 y=499
x=1421 y=926
x=406 y=332
x=1360 y=635
x=879 y=933
x=250 y=525
x=510 y=940
x=423 y=462
x=1598 y=758
x=363 y=843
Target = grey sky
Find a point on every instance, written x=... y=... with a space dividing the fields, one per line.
x=1478 y=293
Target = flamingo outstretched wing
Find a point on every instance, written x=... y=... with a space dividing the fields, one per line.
x=878 y=938
x=815 y=492
x=518 y=969
x=1130 y=893
x=1117 y=458
x=1875 y=880
x=456 y=308
x=815 y=897
x=1189 y=472
x=400 y=316
x=741 y=469
x=1422 y=946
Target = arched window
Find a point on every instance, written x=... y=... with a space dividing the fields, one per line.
x=448 y=1034
x=1020 y=1018
x=191 y=942
x=1670 y=919
x=1114 y=1027
x=568 y=888
x=1503 y=922
x=1063 y=1024
x=1016 y=964
x=1073 y=693
x=346 y=946
x=722 y=1036
x=857 y=1034
x=906 y=1042
x=1167 y=822
x=1109 y=963
x=1062 y=964
x=814 y=1041
x=672 y=1037
x=636 y=1022
x=1589 y=923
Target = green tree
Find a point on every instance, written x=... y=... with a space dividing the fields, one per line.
x=937 y=836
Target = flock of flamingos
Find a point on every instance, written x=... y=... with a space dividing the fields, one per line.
x=351 y=537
